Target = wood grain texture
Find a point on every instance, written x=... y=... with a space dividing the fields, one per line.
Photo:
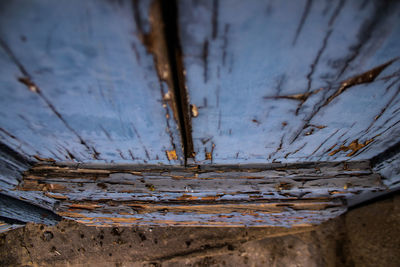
x=12 y=165
x=277 y=194
x=78 y=83
x=112 y=97
x=283 y=81
x=387 y=164
x=22 y=212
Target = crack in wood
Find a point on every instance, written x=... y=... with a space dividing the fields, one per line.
x=324 y=142
x=225 y=45
x=27 y=81
x=383 y=110
x=204 y=56
x=214 y=21
x=302 y=20
x=366 y=31
x=365 y=77
x=354 y=146
x=163 y=42
x=35 y=89
x=320 y=52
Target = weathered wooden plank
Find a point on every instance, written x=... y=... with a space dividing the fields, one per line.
x=291 y=81
x=274 y=194
x=387 y=164
x=79 y=84
x=245 y=184
x=12 y=164
x=14 y=209
x=210 y=215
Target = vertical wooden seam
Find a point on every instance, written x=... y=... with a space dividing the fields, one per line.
x=170 y=15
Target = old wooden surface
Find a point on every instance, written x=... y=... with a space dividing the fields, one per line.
x=79 y=85
x=291 y=81
x=186 y=112
x=21 y=212
x=387 y=164
x=277 y=194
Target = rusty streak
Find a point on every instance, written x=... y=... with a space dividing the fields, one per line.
x=43 y=159
x=353 y=146
x=298 y=97
x=366 y=77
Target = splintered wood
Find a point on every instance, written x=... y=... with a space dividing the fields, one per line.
x=257 y=195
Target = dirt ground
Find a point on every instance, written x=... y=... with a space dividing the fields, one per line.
x=368 y=235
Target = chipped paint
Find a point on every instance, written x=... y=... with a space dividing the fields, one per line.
x=345 y=66
x=171 y=155
x=252 y=195
x=366 y=77
x=195 y=111
x=88 y=98
x=43 y=159
x=213 y=59
x=163 y=43
x=354 y=146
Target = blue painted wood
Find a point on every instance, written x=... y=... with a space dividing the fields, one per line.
x=288 y=81
x=387 y=164
x=276 y=194
x=12 y=166
x=275 y=81
x=77 y=84
x=21 y=211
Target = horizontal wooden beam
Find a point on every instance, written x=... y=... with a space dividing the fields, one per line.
x=272 y=194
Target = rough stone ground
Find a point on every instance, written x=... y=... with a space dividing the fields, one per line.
x=366 y=236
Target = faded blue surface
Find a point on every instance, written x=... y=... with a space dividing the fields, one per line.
x=88 y=61
x=239 y=53
x=92 y=95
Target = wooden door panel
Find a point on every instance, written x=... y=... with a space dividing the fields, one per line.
x=291 y=81
x=79 y=85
